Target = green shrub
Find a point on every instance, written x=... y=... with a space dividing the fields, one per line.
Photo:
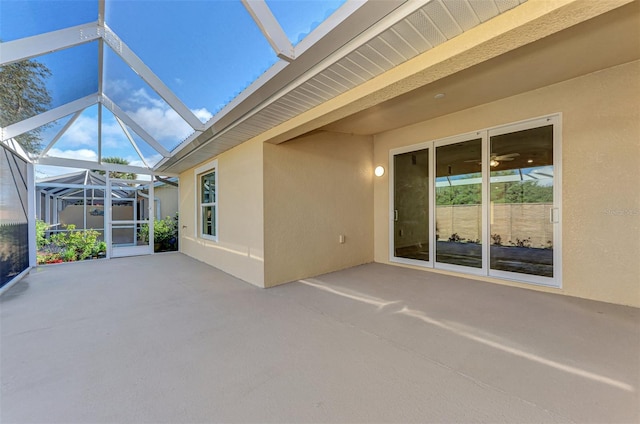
x=76 y=244
x=69 y=255
x=41 y=229
x=165 y=232
x=99 y=248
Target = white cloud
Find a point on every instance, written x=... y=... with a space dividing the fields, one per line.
x=144 y=107
x=141 y=97
x=112 y=135
x=153 y=114
x=44 y=171
x=151 y=160
x=114 y=88
x=83 y=132
x=79 y=154
x=202 y=114
x=161 y=123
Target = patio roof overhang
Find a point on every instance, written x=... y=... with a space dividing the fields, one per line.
x=366 y=54
x=354 y=45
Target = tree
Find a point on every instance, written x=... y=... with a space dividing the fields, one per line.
x=117 y=174
x=468 y=194
x=521 y=192
x=23 y=94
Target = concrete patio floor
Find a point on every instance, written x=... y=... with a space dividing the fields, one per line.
x=165 y=338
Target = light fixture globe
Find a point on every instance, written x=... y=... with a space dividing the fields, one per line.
x=379 y=171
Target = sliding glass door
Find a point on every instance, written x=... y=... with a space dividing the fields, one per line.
x=459 y=203
x=411 y=236
x=483 y=204
x=524 y=211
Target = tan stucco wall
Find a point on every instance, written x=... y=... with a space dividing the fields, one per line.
x=239 y=250
x=168 y=196
x=600 y=175
x=317 y=188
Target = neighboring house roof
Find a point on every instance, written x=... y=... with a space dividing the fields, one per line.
x=75 y=182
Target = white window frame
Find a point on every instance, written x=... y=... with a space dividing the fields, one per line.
x=207 y=168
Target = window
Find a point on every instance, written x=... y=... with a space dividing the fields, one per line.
x=207 y=201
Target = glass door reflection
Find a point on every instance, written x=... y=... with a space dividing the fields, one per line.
x=411 y=205
x=459 y=204
x=523 y=213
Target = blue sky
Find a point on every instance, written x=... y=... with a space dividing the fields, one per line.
x=205 y=51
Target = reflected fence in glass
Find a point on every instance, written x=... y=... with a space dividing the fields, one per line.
x=521 y=185
x=459 y=203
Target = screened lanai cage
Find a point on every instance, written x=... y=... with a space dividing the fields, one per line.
x=77 y=199
x=168 y=85
x=14 y=213
x=126 y=214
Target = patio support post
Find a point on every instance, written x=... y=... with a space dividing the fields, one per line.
x=31 y=213
x=47 y=209
x=38 y=204
x=107 y=214
x=84 y=209
x=55 y=209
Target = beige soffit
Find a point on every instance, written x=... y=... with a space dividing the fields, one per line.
x=403 y=35
x=608 y=40
x=519 y=27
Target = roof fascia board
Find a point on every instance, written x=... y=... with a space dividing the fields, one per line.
x=264 y=88
x=270 y=28
x=131 y=59
x=37 y=45
x=217 y=123
x=282 y=73
x=335 y=19
x=525 y=24
x=115 y=109
x=378 y=28
x=49 y=116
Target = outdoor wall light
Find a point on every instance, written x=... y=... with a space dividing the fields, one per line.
x=379 y=171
